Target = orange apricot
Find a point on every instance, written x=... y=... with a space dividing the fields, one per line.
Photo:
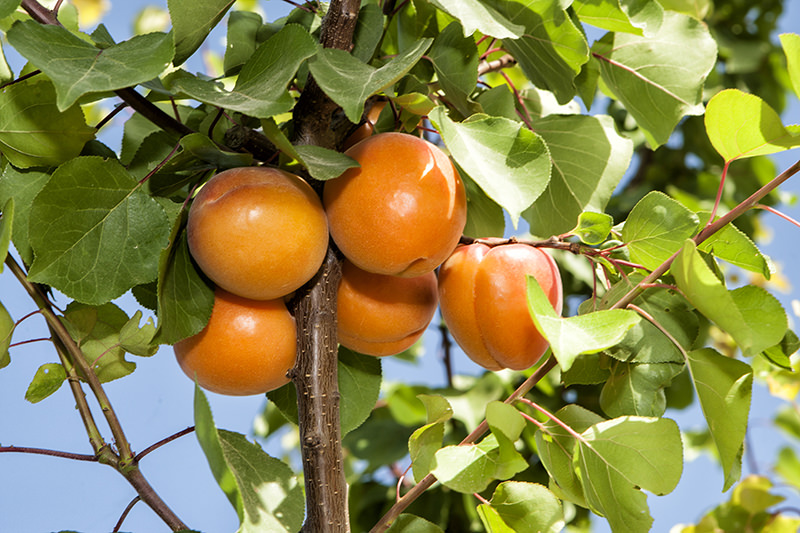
x=257 y=232
x=483 y=300
x=383 y=315
x=246 y=348
x=402 y=211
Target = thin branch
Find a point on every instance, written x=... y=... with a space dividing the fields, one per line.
x=774 y=211
x=164 y=441
x=554 y=418
x=124 y=514
x=51 y=453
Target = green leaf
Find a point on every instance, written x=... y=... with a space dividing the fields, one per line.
x=6 y=220
x=368 y=32
x=475 y=15
x=484 y=216
x=349 y=82
x=723 y=387
x=409 y=523
x=192 y=20
x=659 y=79
x=640 y=17
x=260 y=89
x=34 y=131
x=455 y=59
x=593 y=228
x=203 y=148
x=788 y=466
x=743 y=125
x=618 y=457
x=185 y=299
x=136 y=340
x=6 y=330
x=752 y=316
x=94 y=232
x=734 y=246
x=581 y=334
x=469 y=469
x=323 y=164
x=359 y=385
x=557 y=448
x=491 y=519
x=552 y=48
x=507 y=160
x=438 y=409
x=77 y=67
x=241 y=39
x=584 y=173
x=22 y=186
x=780 y=354
x=6 y=74
x=422 y=447
x=656 y=228
x=262 y=489
x=7 y=7
x=637 y=388
x=527 y=508
x=46 y=381
x=791 y=47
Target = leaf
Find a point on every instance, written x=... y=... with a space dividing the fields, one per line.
x=6 y=330
x=96 y=330
x=203 y=148
x=743 y=125
x=241 y=39
x=791 y=48
x=262 y=489
x=359 y=386
x=618 y=457
x=656 y=228
x=7 y=7
x=469 y=469
x=409 y=523
x=630 y=16
x=557 y=447
x=185 y=299
x=552 y=48
x=22 y=186
x=192 y=20
x=484 y=216
x=368 y=32
x=323 y=164
x=422 y=447
x=136 y=340
x=589 y=159
x=637 y=388
x=593 y=228
x=6 y=220
x=723 y=387
x=94 y=232
x=46 y=381
x=349 y=82
x=788 y=466
x=527 y=507
x=752 y=316
x=260 y=89
x=475 y=15
x=508 y=161
x=34 y=132
x=77 y=67
x=734 y=246
x=455 y=60
x=658 y=79
x=581 y=334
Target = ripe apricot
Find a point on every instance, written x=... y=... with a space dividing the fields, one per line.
x=483 y=300
x=383 y=315
x=246 y=348
x=257 y=232
x=402 y=211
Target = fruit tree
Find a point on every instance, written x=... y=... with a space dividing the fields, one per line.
x=475 y=260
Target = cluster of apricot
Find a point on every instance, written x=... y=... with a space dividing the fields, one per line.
x=261 y=233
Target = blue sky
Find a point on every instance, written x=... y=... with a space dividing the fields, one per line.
x=41 y=494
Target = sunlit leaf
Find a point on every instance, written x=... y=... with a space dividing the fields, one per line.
x=723 y=387
x=791 y=47
x=593 y=228
x=323 y=164
x=48 y=379
x=640 y=17
x=659 y=79
x=192 y=20
x=76 y=67
x=138 y=340
x=6 y=330
x=743 y=125
x=6 y=228
x=22 y=186
x=734 y=246
x=527 y=507
x=409 y=523
x=508 y=161
x=637 y=388
x=475 y=15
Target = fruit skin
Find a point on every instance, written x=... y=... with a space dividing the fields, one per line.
x=402 y=212
x=246 y=348
x=383 y=315
x=257 y=232
x=483 y=300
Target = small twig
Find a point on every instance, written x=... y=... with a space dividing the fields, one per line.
x=124 y=514
x=21 y=78
x=778 y=213
x=554 y=418
x=51 y=453
x=719 y=192
x=160 y=165
x=29 y=341
x=446 y=352
x=496 y=64
x=106 y=119
x=164 y=441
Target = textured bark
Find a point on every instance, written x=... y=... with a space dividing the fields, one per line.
x=315 y=374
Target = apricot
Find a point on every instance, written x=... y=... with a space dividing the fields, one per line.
x=257 y=232
x=246 y=348
x=402 y=211
x=483 y=301
x=383 y=315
